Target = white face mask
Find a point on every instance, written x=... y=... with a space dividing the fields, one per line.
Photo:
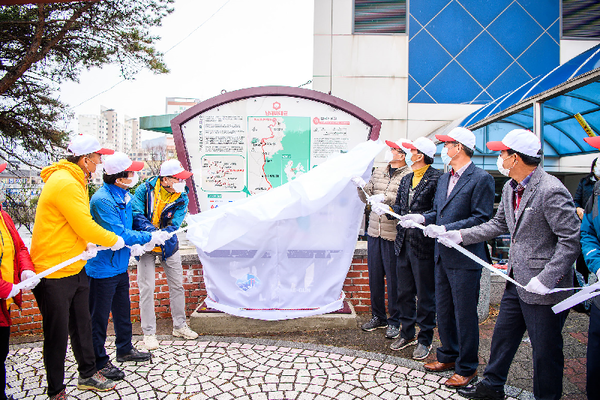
x=134 y=181
x=500 y=165
x=388 y=156
x=97 y=174
x=179 y=187
x=597 y=169
x=446 y=159
x=408 y=159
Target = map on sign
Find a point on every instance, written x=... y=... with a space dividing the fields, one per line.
x=278 y=151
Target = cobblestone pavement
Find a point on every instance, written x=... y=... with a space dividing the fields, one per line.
x=238 y=368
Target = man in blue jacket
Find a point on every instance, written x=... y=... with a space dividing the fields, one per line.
x=464 y=197
x=108 y=278
x=161 y=203
x=590 y=246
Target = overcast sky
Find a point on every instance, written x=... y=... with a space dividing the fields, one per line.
x=245 y=44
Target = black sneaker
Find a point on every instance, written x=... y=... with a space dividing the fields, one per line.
x=134 y=355
x=109 y=371
x=392 y=332
x=374 y=323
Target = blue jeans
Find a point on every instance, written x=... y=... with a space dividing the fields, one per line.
x=593 y=354
x=110 y=295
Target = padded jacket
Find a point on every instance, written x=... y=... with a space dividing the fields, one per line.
x=382 y=182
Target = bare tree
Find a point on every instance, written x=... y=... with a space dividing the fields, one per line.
x=156 y=155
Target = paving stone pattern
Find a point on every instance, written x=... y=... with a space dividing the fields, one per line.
x=236 y=368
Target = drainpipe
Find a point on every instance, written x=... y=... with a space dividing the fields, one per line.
x=538 y=124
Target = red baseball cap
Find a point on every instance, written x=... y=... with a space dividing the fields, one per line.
x=593 y=141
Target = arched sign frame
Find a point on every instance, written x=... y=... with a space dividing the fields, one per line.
x=242 y=94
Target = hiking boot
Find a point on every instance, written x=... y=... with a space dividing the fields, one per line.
x=185 y=332
x=392 y=332
x=109 y=371
x=421 y=352
x=403 y=343
x=61 y=396
x=95 y=382
x=374 y=323
x=134 y=355
x=150 y=342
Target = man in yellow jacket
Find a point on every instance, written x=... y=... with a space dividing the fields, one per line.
x=62 y=230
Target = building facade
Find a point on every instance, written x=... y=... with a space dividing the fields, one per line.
x=421 y=65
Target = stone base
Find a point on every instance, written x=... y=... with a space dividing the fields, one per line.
x=212 y=322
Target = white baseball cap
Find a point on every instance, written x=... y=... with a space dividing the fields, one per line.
x=119 y=162
x=399 y=144
x=175 y=169
x=521 y=140
x=460 y=135
x=86 y=144
x=424 y=145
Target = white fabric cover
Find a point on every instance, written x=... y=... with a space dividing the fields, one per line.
x=285 y=254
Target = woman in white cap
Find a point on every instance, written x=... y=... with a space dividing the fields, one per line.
x=62 y=230
x=381 y=233
x=15 y=266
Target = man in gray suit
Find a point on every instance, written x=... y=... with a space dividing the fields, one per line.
x=539 y=213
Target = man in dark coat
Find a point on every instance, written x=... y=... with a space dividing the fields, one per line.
x=464 y=198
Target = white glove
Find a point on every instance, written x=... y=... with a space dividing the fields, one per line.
x=359 y=182
x=149 y=246
x=535 y=286
x=380 y=208
x=376 y=199
x=13 y=292
x=418 y=218
x=137 y=250
x=160 y=237
x=119 y=245
x=26 y=275
x=434 y=231
x=407 y=223
x=90 y=252
x=449 y=237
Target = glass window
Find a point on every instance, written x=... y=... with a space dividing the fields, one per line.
x=376 y=17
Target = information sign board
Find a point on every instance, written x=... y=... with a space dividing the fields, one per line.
x=252 y=140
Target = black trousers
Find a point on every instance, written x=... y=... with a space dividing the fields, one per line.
x=381 y=261
x=4 y=335
x=416 y=294
x=545 y=333
x=593 y=355
x=456 y=296
x=110 y=295
x=64 y=305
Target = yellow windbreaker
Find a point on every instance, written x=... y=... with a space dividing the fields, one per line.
x=63 y=224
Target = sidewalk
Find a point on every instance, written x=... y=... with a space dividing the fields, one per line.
x=341 y=364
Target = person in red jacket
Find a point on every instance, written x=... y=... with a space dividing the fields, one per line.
x=15 y=266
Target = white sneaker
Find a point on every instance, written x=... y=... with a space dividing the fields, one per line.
x=150 y=342
x=185 y=332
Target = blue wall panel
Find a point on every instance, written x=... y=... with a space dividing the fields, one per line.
x=473 y=51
